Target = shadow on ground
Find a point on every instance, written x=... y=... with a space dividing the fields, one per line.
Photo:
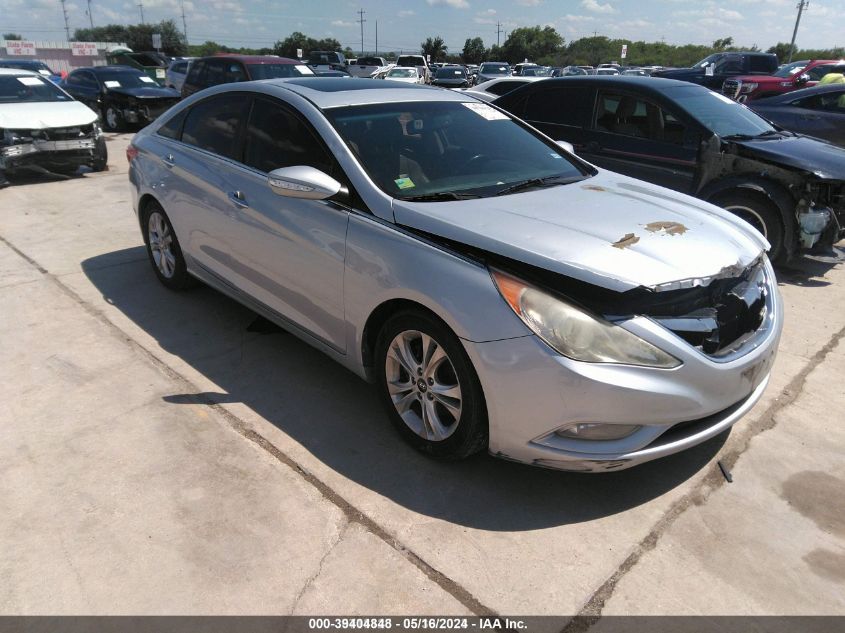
x=337 y=418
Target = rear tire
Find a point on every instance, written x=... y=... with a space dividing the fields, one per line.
x=163 y=249
x=429 y=387
x=112 y=119
x=101 y=155
x=759 y=212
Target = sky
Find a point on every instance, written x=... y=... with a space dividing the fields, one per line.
x=404 y=24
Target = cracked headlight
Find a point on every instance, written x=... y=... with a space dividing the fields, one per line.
x=575 y=333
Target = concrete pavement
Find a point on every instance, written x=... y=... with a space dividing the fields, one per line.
x=156 y=456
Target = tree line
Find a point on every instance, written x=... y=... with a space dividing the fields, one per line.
x=543 y=45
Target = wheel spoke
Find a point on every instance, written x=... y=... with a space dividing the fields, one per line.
x=433 y=427
x=403 y=403
x=434 y=361
x=452 y=405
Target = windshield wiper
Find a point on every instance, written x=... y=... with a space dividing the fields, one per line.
x=532 y=183
x=749 y=137
x=439 y=196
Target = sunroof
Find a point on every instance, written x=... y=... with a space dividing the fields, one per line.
x=342 y=84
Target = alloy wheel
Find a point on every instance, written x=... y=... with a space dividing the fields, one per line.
x=161 y=244
x=423 y=385
x=751 y=216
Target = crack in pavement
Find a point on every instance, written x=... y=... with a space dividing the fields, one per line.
x=591 y=612
x=316 y=574
x=352 y=514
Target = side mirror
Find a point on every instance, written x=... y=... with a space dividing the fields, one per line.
x=303 y=181
x=569 y=147
x=802 y=79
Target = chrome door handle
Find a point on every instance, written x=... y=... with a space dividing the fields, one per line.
x=238 y=198
x=168 y=160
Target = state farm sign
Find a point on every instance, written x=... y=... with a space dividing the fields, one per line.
x=19 y=47
x=83 y=48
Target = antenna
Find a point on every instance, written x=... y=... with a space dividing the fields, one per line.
x=184 y=23
x=803 y=4
x=361 y=20
x=67 y=26
x=140 y=6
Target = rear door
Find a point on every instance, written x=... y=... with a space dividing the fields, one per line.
x=83 y=86
x=822 y=116
x=289 y=253
x=562 y=112
x=642 y=138
x=200 y=154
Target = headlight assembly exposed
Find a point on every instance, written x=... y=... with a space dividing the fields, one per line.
x=575 y=333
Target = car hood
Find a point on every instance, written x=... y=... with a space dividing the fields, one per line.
x=36 y=116
x=822 y=159
x=609 y=230
x=147 y=93
x=675 y=73
x=450 y=81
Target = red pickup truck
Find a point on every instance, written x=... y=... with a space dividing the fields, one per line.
x=790 y=77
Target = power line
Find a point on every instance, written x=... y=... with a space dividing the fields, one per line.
x=361 y=20
x=803 y=4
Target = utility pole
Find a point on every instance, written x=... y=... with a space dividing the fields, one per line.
x=361 y=20
x=67 y=26
x=499 y=31
x=184 y=23
x=376 y=37
x=90 y=16
x=802 y=4
x=141 y=6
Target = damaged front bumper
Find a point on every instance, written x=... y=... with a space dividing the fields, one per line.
x=533 y=393
x=64 y=147
x=135 y=112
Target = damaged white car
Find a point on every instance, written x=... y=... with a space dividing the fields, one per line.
x=501 y=293
x=43 y=129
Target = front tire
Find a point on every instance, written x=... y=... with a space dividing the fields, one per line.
x=163 y=249
x=762 y=214
x=101 y=155
x=112 y=119
x=429 y=388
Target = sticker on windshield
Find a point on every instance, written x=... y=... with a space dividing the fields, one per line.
x=482 y=109
x=30 y=81
x=404 y=183
x=304 y=70
x=112 y=84
x=147 y=80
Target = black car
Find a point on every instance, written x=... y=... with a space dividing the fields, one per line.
x=713 y=70
x=121 y=94
x=688 y=138
x=818 y=111
x=451 y=77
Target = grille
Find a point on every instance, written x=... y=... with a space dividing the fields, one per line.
x=62 y=133
x=731 y=88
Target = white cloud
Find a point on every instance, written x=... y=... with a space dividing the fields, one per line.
x=529 y=3
x=407 y=13
x=342 y=23
x=455 y=4
x=487 y=12
x=578 y=18
x=596 y=7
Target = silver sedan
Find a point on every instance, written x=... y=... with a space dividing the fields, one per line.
x=501 y=293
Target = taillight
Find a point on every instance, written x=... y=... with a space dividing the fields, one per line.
x=131 y=152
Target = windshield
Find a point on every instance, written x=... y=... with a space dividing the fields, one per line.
x=126 y=79
x=370 y=61
x=448 y=148
x=323 y=57
x=719 y=114
x=790 y=69
x=710 y=59
x=29 y=88
x=410 y=60
x=275 y=71
x=495 y=69
x=402 y=72
x=451 y=73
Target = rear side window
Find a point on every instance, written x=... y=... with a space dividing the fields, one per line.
x=215 y=73
x=504 y=87
x=275 y=138
x=628 y=115
x=817 y=72
x=758 y=64
x=196 y=73
x=173 y=128
x=214 y=124
x=561 y=106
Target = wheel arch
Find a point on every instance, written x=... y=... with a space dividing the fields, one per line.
x=773 y=191
x=143 y=204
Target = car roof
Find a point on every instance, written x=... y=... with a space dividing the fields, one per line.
x=12 y=60
x=252 y=59
x=110 y=68
x=645 y=85
x=330 y=92
x=16 y=71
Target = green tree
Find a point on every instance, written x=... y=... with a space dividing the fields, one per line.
x=138 y=37
x=474 y=51
x=435 y=47
x=12 y=36
x=534 y=43
x=297 y=40
x=723 y=43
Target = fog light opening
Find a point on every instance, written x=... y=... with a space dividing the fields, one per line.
x=597 y=431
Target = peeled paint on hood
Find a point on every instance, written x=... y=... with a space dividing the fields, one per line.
x=609 y=230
